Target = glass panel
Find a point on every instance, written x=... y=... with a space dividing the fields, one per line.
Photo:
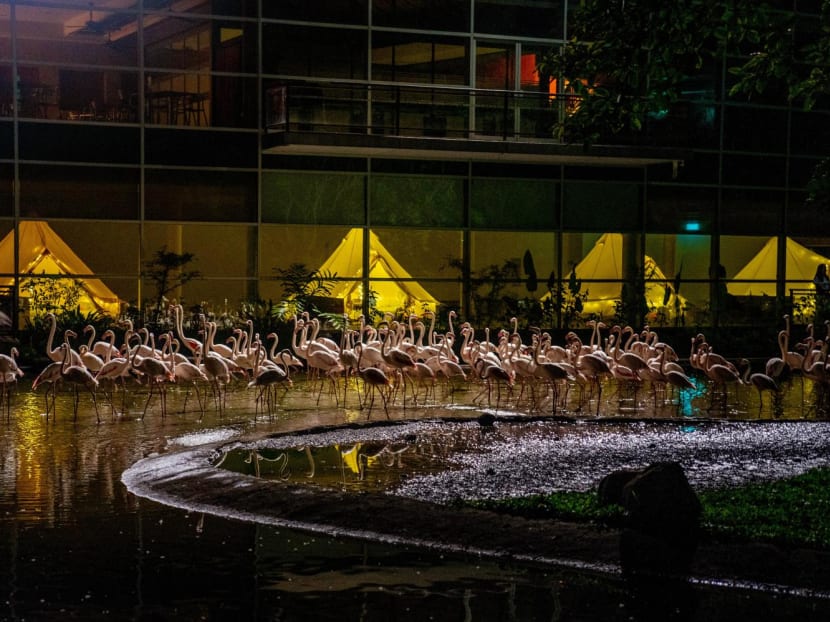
x=397 y=260
x=416 y=200
x=124 y=288
x=752 y=211
x=178 y=85
x=750 y=264
x=236 y=8
x=602 y=206
x=495 y=66
x=217 y=298
x=419 y=253
x=79 y=192
x=177 y=44
x=5 y=32
x=234 y=47
x=6 y=190
x=178 y=99
x=200 y=195
x=528 y=258
x=681 y=208
x=83 y=35
x=423 y=14
x=809 y=130
x=342 y=11
x=513 y=203
x=538 y=109
x=73 y=251
x=202 y=148
x=224 y=255
x=7 y=140
x=77 y=94
x=312 y=198
x=536 y=18
x=107 y=248
x=603 y=275
x=801 y=171
x=6 y=227
x=753 y=170
x=755 y=129
x=400 y=57
x=6 y=89
x=313 y=247
x=79 y=142
x=803 y=215
x=418 y=111
x=680 y=262
x=314 y=52
x=495 y=71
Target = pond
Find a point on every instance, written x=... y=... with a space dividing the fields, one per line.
x=76 y=542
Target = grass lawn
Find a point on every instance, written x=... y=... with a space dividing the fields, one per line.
x=794 y=511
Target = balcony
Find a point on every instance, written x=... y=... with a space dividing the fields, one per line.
x=429 y=121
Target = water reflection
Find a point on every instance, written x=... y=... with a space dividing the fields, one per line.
x=74 y=543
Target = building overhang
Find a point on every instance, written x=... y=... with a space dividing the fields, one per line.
x=485 y=149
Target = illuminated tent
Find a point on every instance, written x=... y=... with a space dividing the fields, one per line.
x=801 y=265
x=43 y=252
x=390 y=295
x=604 y=262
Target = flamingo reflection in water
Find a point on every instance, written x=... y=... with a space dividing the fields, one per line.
x=362 y=456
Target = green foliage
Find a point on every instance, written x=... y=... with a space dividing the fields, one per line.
x=567 y=505
x=50 y=295
x=793 y=511
x=490 y=304
x=567 y=301
x=300 y=286
x=800 y=67
x=627 y=59
x=166 y=271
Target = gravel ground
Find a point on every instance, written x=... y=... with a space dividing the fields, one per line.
x=511 y=459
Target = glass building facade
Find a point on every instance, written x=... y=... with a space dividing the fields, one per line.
x=257 y=135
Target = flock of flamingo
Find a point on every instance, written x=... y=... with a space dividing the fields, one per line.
x=404 y=362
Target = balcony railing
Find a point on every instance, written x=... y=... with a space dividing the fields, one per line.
x=417 y=111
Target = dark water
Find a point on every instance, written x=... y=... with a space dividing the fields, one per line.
x=75 y=544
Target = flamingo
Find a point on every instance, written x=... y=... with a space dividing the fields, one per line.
x=49 y=376
x=113 y=370
x=266 y=379
x=194 y=345
x=157 y=373
x=721 y=376
x=185 y=372
x=10 y=373
x=375 y=380
x=218 y=373
x=102 y=347
x=762 y=383
x=78 y=375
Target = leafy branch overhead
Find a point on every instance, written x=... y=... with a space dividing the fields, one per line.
x=628 y=59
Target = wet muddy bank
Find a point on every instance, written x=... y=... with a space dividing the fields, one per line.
x=186 y=477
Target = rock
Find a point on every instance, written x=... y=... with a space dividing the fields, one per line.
x=611 y=486
x=660 y=500
x=663 y=516
x=486 y=420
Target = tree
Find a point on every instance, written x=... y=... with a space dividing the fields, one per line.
x=166 y=271
x=626 y=59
